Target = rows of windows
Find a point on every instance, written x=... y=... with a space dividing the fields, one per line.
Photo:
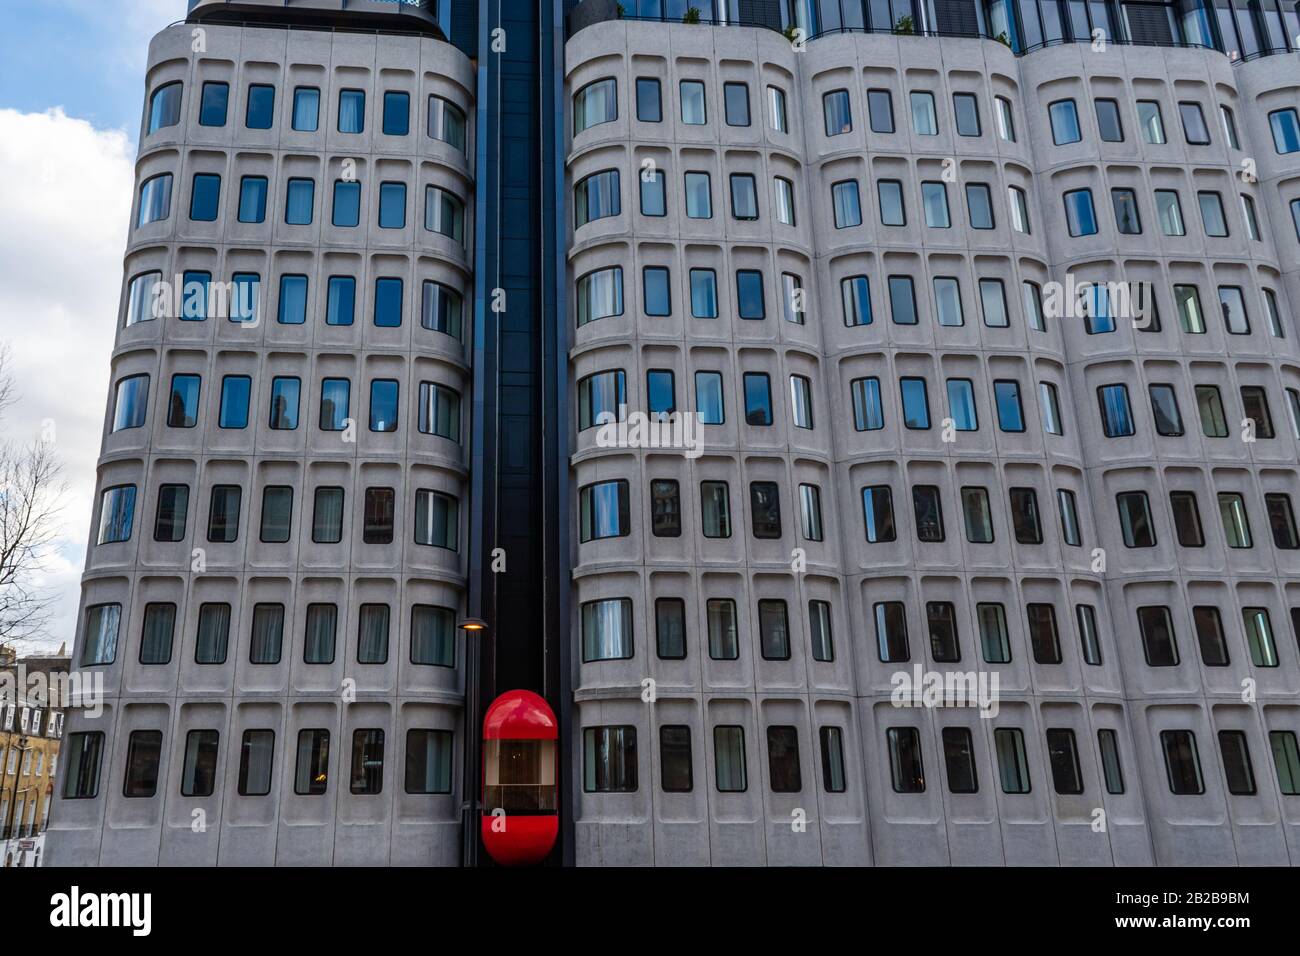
x=604 y=511
x=444 y=212
x=1149 y=120
x=602 y=398
x=610 y=760
x=837 y=114
x=600 y=294
x=1081 y=213
x=597 y=103
x=597 y=196
x=444 y=120
x=437 y=515
x=438 y=409
x=199 y=298
x=1118 y=421
x=431 y=638
x=428 y=762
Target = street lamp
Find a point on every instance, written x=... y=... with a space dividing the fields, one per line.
x=473 y=627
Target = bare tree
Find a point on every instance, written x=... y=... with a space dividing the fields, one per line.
x=31 y=486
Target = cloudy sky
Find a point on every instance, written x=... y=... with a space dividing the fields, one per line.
x=71 y=96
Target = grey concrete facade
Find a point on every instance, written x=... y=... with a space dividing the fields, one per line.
x=347 y=570
x=1138 y=820
x=868 y=809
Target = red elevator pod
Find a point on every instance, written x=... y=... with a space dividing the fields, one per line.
x=521 y=809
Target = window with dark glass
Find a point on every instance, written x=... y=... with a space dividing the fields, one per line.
x=670 y=629
x=715 y=508
x=878 y=513
x=891 y=632
x=736 y=103
x=1187 y=519
x=1024 y=516
x=928 y=508
x=199 y=769
x=311 y=770
x=941 y=618
x=1063 y=758
x=1135 y=519
x=675 y=767
x=260 y=112
x=367 y=775
x=143 y=754
x=256 y=756
x=1237 y=768
x=609 y=759
x=649 y=106
x=758 y=398
x=379 y=515
x=905 y=766
x=765 y=505
x=1209 y=636
x=665 y=508
x=1159 y=644
x=213 y=104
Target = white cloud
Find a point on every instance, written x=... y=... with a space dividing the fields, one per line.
x=63 y=229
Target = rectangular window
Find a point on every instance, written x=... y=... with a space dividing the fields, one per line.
x=352 y=111
x=213 y=104
x=880 y=111
x=928 y=508
x=1194 y=129
x=724 y=644
x=81 y=776
x=995 y=643
x=979 y=205
x=433 y=635
x=833 y=774
x=810 y=512
x=311 y=771
x=694 y=109
x=205 y=197
x=606 y=630
x=699 y=202
x=765 y=506
x=347 y=204
x=428 y=761
x=256 y=757
x=158 y=633
x=735 y=98
x=1135 y=520
x=916 y=403
x=675 y=766
x=199 y=772
x=1043 y=636
x=306 y=109
x=868 y=413
x=1127 y=219
x=1169 y=213
x=891 y=632
x=934 y=201
x=819 y=631
x=341 y=300
x=437 y=519
x=1286 y=758
x=1089 y=639
x=1063 y=758
x=924 y=121
x=1212 y=217
x=223 y=513
x=902 y=300
x=609 y=759
x=776 y=110
x=1024 y=516
x=260 y=113
x=905 y=766
x=1237 y=768
x=1187 y=519
x=1151 y=122
x=1065 y=504
x=277 y=513
x=665 y=508
x=941 y=617
x=1013 y=767
x=965 y=108
x=1236 y=524
x=729 y=759
x=977 y=514
x=670 y=629
x=1209 y=405
x=878 y=513
x=649 y=107
x=1182 y=762
x=372 y=634
x=783 y=759
x=773 y=630
x=750 y=300
x=846 y=204
x=267 y=637
x=1109 y=124
x=143 y=753
x=715 y=507
x=836 y=112
x=1159 y=644
x=169 y=521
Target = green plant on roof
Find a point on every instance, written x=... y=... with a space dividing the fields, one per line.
x=692 y=15
x=904 y=25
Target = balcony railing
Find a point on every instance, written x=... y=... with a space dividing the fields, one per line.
x=1241 y=29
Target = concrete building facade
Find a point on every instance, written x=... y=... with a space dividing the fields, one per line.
x=850 y=242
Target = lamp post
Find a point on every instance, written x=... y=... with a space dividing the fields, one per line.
x=473 y=627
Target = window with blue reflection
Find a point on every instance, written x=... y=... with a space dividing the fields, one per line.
x=653 y=199
x=902 y=300
x=388 y=303
x=205 y=197
x=890 y=195
x=306 y=109
x=352 y=111
x=441 y=307
x=934 y=200
x=245 y=296
x=708 y=398
x=602 y=398
x=847 y=204
x=341 y=300
x=1065 y=122
x=924 y=121
x=285 y=394
x=1116 y=414
x=392 y=205
x=131 y=403
x=699 y=201
x=961 y=405
x=604 y=513
x=758 y=398
x=855 y=296
x=335 y=394
x=293 y=300
x=654 y=280
x=1286 y=130
x=165 y=107
x=979 y=204
x=260 y=113
x=947 y=301
x=1094 y=305
x=704 y=293
x=1011 y=415
x=383 y=405
x=116 y=514
x=993 y=302
x=878 y=513
x=213 y=103
x=661 y=393
x=235 y=393
x=300 y=199
x=835 y=108
x=347 y=203
x=155 y=199
x=596 y=197
x=649 y=105
x=183 y=402
x=1080 y=217
x=252 y=199
x=868 y=412
x=397 y=114
x=916 y=403
x=749 y=294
